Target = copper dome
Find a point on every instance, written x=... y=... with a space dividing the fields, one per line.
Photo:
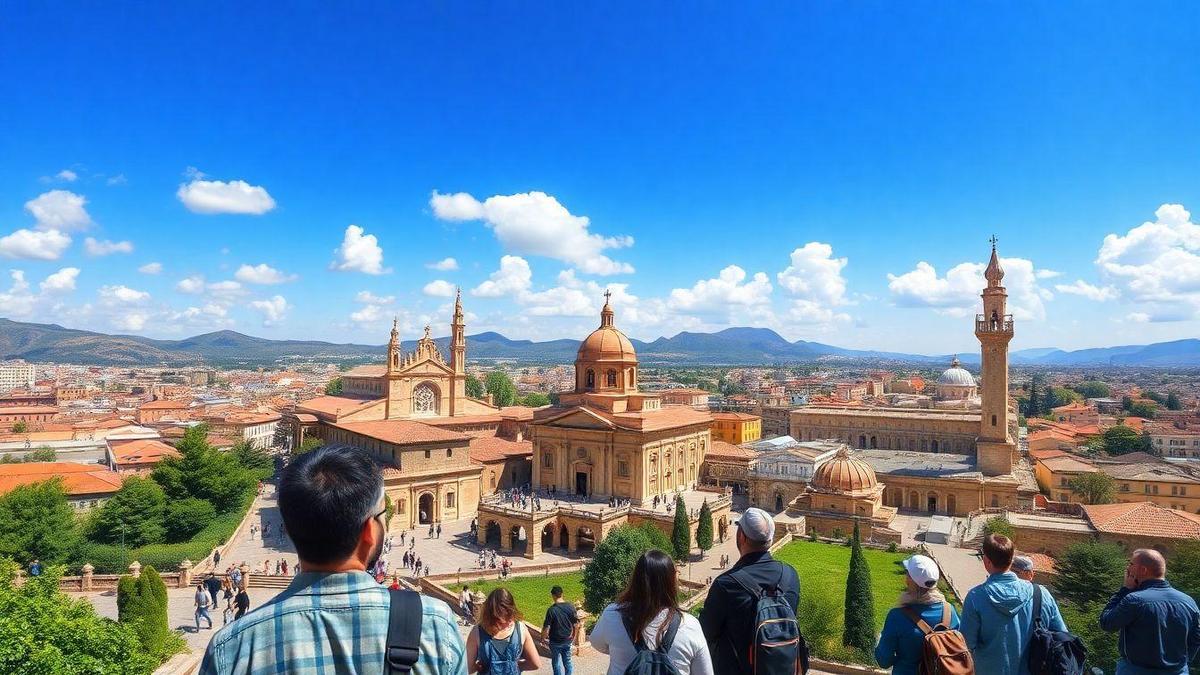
x=606 y=343
x=844 y=474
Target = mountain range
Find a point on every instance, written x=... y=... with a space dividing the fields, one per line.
x=732 y=346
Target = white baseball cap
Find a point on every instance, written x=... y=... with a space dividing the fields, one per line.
x=757 y=525
x=923 y=570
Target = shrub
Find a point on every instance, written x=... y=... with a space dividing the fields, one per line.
x=892 y=547
x=607 y=574
x=134 y=515
x=1000 y=525
x=1090 y=571
x=859 y=629
x=704 y=528
x=106 y=558
x=681 y=534
x=187 y=517
x=142 y=604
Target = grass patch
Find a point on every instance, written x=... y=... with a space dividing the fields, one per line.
x=828 y=564
x=532 y=593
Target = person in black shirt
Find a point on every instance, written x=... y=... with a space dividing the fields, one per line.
x=243 y=603
x=729 y=610
x=558 y=631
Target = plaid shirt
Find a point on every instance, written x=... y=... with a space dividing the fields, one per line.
x=330 y=623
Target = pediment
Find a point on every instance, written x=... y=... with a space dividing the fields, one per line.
x=427 y=367
x=578 y=418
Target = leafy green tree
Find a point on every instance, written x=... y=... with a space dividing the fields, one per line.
x=999 y=525
x=1173 y=402
x=136 y=512
x=37 y=522
x=1034 y=407
x=1090 y=571
x=308 y=445
x=859 y=625
x=1126 y=403
x=535 y=400
x=203 y=472
x=45 y=631
x=333 y=387
x=607 y=573
x=1122 y=440
x=681 y=534
x=1093 y=389
x=502 y=389
x=1143 y=409
x=1101 y=645
x=704 y=528
x=42 y=454
x=1062 y=396
x=142 y=605
x=1156 y=397
x=1183 y=570
x=253 y=458
x=474 y=387
x=20 y=428
x=1096 y=487
x=186 y=517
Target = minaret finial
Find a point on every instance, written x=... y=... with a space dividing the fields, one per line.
x=606 y=313
x=993 y=240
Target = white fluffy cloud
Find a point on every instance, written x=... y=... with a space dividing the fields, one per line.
x=439 y=288
x=34 y=244
x=262 y=274
x=371 y=299
x=67 y=175
x=513 y=278
x=368 y=314
x=535 y=223
x=359 y=252
x=957 y=293
x=209 y=315
x=122 y=295
x=814 y=280
x=729 y=292
x=18 y=301
x=273 y=309
x=60 y=210
x=192 y=285
x=215 y=196
x=62 y=281
x=151 y=268
x=1157 y=265
x=1086 y=290
x=443 y=265
x=96 y=248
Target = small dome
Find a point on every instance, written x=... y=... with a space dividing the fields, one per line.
x=956 y=376
x=844 y=474
x=606 y=343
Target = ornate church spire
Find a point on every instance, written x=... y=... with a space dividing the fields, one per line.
x=606 y=314
x=994 y=272
x=458 y=337
x=393 y=357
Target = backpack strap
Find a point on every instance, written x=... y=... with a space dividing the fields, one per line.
x=945 y=624
x=668 y=638
x=916 y=618
x=404 y=632
x=1037 y=606
x=751 y=588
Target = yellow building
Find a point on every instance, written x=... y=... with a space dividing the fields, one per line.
x=736 y=427
x=1139 y=478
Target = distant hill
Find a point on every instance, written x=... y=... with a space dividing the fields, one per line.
x=732 y=346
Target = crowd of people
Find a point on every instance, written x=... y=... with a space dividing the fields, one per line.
x=337 y=615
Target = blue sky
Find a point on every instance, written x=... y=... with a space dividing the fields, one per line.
x=831 y=171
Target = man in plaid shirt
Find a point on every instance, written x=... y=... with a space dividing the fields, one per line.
x=333 y=618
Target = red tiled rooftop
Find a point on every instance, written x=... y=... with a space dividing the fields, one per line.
x=78 y=479
x=402 y=432
x=163 y=405
x=723 y=450
x=141 y=451
x=735 y=416
x=494 y=449
x=332 y=405
x=1142 y=518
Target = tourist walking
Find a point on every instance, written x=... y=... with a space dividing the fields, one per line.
x=730 y=611
x=997 y=616
x=333 y=613
x=213 y=584
x=1158 y=624
x=902 y=642
x=500 y=645
x=227 y=595
x=242 y=601
x=202 y=601
x=559 y=630
x=467 y=603
x=646 y=616
x=216 y=558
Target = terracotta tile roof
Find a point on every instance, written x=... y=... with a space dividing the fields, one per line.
x=684 y=392
x=1074 y=406
x=141 y=451
x=163 y=405
x=1068 y=463
x=519 y=412
x=1142 y=518
x=666 y=417
x=29 y=410
x=728 y=451
x=1042 y=563
x=333 y=405
x=402 y=432
x=465 y=420
x=494 y=449
x=1047 y=453
x=735 y=416
x=78 y=479
x=366 y=371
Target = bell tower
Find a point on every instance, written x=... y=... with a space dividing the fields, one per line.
x=994 y=328
x=458 y=338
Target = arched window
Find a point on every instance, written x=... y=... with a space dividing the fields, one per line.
x=424 y=400
x=611 y=376
x=590 y=379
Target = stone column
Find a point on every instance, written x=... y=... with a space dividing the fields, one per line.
x=481 y=532
x=573 y=541
x=505 y=540
x=85 y=582
x=245 y=570
x=135 y=569
x=185 y=573
x=554 y=535
x=533 y=544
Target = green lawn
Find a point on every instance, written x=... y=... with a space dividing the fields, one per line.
x=826 y=565
x=533 y=593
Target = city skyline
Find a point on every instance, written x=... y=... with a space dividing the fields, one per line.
x=833 y=178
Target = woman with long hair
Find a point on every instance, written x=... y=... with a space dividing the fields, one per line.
x=648 y=612
x=500 y=645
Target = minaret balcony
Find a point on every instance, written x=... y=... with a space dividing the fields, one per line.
x=1002 y=325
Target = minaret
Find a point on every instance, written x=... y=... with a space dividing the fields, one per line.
x=393 y=363
x=994 y=328
x=458 y=338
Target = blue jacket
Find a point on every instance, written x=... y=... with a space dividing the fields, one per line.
x=1160 y=628
x=997 y=622
x=902 y=643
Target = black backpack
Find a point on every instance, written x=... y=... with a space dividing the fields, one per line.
x=778 y=643
x=404 y=632
x=1053 y=652
x=652 y=661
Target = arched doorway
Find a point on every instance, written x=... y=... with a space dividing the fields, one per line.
x=914 y=500
x=862 y=441
x=933 y=446
x=548 y=536
x=874 y=443
x=425 y=514
x=492 y=534
x=517 y=536
x=564 y=536
x=931 y=502
x=585 y=540
x=778 y=502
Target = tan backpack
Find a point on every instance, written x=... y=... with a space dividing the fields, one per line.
x=945 y=651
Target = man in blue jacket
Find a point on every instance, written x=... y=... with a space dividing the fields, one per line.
x=997 y=617
x=1160 y=626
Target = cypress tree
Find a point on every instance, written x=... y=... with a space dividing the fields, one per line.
x=859 y=625
x=681 y=536
x=142 y=603
x=704 y=528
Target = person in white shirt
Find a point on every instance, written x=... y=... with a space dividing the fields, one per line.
x=649 y=607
